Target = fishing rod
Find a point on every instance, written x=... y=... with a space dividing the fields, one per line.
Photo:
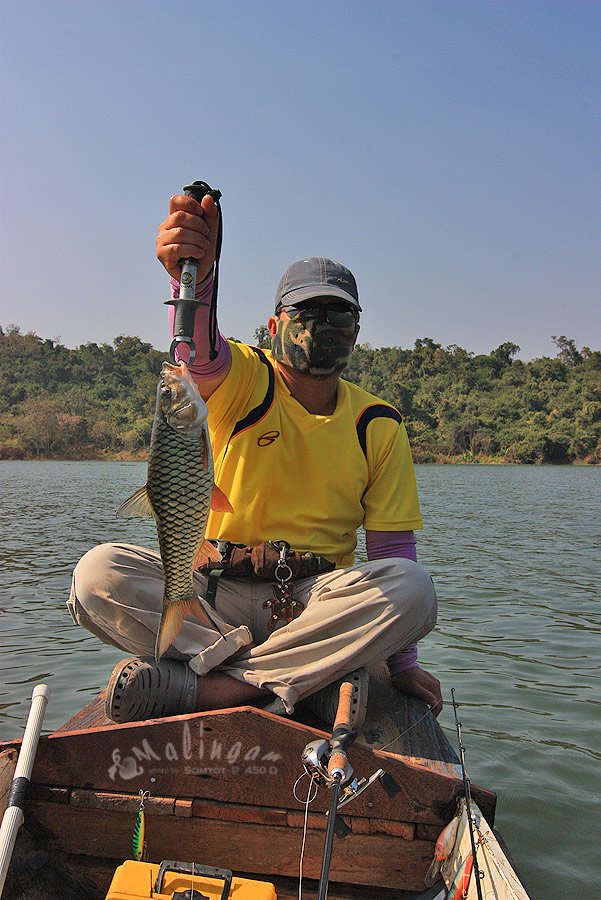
x=326 y=763
x=468 y=797
x=187 y=304
x=338 y=771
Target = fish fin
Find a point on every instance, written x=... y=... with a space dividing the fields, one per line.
x=137 y=505
x=195 y=608
x=171 y=622
x=219 y=502
x=207 y=552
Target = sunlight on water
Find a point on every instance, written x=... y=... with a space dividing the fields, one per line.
x=514 y=553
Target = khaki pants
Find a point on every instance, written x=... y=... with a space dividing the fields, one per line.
x=353 y=617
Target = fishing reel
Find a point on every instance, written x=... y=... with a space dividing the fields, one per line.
x=315 y=759
x=326 y=763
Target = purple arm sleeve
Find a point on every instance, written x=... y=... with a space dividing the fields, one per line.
x=202 y=369
x=387 y=545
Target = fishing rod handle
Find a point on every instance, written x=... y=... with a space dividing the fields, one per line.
x=343 y=714
x=338 y=762
x=338 y=765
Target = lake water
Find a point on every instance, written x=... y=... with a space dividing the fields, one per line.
x=514 y=552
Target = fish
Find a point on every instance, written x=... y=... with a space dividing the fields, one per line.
x=179 y=492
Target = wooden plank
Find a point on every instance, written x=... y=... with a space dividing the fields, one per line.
x=91 y=716
x=183 y=807
x=34 y=874
x=263 y=849
x=230 y=757
x=400 y=723
x=239 y=756
x=437 y=765
x=123 y=803
x=236 y=812
x=314 y=820
x=43 y=792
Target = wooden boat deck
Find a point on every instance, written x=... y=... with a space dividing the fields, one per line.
x=221 y=788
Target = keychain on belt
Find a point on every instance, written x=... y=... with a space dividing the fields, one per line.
x=283 y=606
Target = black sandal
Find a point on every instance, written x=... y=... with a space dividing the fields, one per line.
x=141 y=689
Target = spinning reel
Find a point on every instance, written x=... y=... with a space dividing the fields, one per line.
x=315 y=759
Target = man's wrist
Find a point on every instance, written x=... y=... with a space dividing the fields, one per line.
x=204 y=289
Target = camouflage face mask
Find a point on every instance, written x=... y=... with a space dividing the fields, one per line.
x=312 y=347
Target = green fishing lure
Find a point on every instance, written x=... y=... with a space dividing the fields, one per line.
x=139 y=842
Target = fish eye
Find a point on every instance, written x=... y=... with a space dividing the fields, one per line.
x=166 y=391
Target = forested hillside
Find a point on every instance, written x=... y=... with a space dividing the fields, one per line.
x=98 y=401
x=465 y=407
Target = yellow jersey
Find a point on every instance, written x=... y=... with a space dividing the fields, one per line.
x=307 y=479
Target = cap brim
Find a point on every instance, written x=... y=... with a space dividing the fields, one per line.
x=318 y=290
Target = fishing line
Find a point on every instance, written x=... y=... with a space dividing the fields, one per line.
x=309 y=799
x=403 y=733
x=483 y=841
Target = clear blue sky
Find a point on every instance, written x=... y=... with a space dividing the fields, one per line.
x=447 y=152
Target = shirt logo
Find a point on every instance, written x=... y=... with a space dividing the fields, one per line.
x=268 y=438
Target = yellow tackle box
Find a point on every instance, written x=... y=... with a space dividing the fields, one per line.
x=139 y=880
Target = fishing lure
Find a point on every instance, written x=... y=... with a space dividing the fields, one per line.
x=444 y=845
x=446 y=839
x=138 y=842
x=462 y=879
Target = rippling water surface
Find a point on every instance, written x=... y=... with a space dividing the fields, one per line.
x=514 y=552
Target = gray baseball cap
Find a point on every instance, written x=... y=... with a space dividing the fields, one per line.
x=317 y=277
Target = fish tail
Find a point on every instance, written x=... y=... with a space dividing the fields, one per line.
x=171 y=622
x=194 y=607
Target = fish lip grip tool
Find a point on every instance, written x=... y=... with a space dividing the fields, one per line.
x=187 y=304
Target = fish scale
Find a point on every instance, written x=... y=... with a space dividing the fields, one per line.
x=177 y=479
x=179 y=493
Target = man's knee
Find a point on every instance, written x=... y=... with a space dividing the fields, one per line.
x=413 y=588
x=97 y=559
x=90 y=572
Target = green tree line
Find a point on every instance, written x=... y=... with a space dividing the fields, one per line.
x=97 y=401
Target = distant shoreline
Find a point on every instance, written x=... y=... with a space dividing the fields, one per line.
x=418 y=460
